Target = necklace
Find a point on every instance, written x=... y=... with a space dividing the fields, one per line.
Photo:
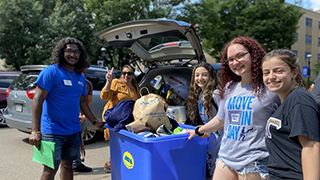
x=69 y=73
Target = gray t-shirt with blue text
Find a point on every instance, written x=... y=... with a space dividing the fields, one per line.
x=245 y=119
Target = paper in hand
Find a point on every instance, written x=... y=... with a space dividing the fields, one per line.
x=46 y=154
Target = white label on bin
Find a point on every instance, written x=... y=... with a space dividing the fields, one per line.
x=128 y=160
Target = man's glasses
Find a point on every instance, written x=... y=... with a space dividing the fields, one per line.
x=128 y=73
x=68 y=51
x=237 y=57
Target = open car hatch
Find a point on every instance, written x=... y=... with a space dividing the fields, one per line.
x=156 y=40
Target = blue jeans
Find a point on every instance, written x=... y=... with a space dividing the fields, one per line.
x=77 y=162
x=67 y=147
x=260 y=166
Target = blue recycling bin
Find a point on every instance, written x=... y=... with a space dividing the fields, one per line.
x=170 y=157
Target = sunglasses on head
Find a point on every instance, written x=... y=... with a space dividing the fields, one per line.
x=128 y=73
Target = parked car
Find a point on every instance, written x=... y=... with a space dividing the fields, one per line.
x=6 y=77
x=21 y=91
x=167 y=51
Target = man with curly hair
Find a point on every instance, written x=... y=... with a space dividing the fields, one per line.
x=55 y=107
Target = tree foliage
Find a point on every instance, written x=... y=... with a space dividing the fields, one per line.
x=20 y=29
x=271 y=22
x=30 y=28
x=71 y=19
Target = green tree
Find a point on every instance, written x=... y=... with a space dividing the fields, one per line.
x=316 y=68
x=29 y=29
x=21 y=27
x=70 y=19
x=271 y=22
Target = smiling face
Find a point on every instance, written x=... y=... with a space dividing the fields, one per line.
x=241 y=61
x=71 y=54
x=125 y=75
x=278 y=76
x=201 y=77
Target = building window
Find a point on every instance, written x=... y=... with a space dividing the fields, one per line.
x=306 y=56
x=318 y=41
x=318 y=57
x=295 y=52
x=308 y=39
x=319 y=25
x=296 y=37
x=308 y=22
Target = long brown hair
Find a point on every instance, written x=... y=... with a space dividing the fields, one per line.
x=257 y=52
x=213 y=83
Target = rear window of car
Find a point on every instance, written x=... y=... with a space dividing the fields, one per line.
x=25 y=81
x=6 y=80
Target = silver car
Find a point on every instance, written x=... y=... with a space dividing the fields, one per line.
x=21 y=91
x=6 y=77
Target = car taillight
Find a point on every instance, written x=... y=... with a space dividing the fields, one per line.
x=30 y=93
x=8 y=91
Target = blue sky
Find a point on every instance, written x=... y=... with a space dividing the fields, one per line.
x=313 y=4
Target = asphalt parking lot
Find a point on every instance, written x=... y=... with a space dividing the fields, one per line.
x=16 y=158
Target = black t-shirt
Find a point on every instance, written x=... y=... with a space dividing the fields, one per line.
x=297 y=115
x=316 y=88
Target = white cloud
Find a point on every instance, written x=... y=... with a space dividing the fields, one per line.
x=315 y=4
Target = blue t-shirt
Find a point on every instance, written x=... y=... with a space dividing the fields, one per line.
x=60 y=110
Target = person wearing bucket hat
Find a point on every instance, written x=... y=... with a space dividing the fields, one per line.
x=203 y=101
x=115 y=91
x=245 y=106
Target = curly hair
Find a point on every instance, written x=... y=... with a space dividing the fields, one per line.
x=257 y=52
x=213 y=83
x=57 y=56
x=291 y=59
x=134 y=82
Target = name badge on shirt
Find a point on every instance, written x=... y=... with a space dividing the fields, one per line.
x=67 y=82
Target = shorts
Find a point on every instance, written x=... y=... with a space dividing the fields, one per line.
x=67 y=147
x=260 y=166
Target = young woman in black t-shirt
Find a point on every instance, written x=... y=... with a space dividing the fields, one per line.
x=292 y=132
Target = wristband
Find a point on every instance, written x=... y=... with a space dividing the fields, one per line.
x=197 y=131
x=94 y=122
